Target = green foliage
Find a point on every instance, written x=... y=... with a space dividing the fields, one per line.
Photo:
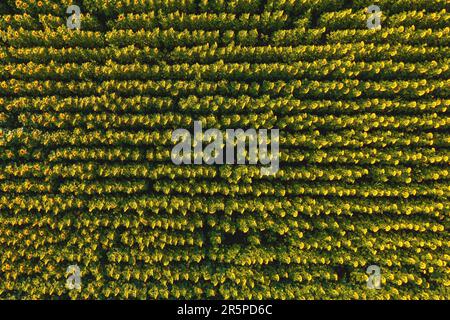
x=86 y=176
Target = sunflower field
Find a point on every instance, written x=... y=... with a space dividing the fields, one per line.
x=86 y=177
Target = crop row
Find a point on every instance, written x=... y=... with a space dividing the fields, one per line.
x=359 y=51
x=344 y=89
x=169 y=39
x=319 y=69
